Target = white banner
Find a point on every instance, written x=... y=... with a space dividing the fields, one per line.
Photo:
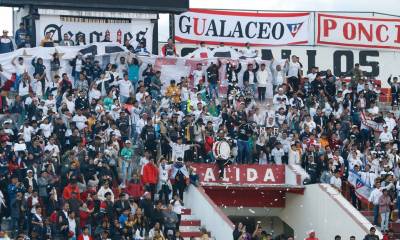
x=379 y=64
x=237 y=28
x=375 y=63
x=95 y=29
x=361 y=32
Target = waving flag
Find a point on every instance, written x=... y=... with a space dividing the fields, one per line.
x=362 y=190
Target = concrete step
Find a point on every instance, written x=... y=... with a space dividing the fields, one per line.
x=395 y=227
x=186 y=211
x=189 y=228
x=196 y=234
x=190 y=223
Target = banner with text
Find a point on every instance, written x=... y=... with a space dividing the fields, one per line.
x=96 y=29
x=236 y=28
x=363 y=32
x=242 y=174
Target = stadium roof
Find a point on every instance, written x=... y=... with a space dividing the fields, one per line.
x=155 y=6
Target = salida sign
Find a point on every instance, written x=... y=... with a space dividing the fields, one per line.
x=242 y=174
x=237 y=28
x=353 y=31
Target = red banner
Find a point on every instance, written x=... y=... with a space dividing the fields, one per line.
x=242 y=174
x=351 y=31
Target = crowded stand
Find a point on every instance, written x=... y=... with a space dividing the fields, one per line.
x=105 y=151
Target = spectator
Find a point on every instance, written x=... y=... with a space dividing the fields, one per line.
x=311 y=235
x=170 y=221
x=22 y=36
x=169 y=50
x=47 y=41
x=6 y=44
x=371 y=235
x=374 y=199
x=384 y=208
x=66 y=41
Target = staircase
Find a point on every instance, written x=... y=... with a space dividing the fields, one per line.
x=394 y=226
x=190 y=225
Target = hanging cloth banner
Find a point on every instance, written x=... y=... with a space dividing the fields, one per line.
x=236 y=28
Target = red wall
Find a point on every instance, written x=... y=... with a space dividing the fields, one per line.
x=247 y=197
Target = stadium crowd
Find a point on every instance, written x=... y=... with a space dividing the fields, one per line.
x=104 y=152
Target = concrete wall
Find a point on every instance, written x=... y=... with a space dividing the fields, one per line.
x=212 y=218
x=324 y=210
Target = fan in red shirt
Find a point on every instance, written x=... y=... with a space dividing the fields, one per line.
x=85 y=234
x=150 y=177
x=70 y=188
x=169 y=50
x=311 y=235
x=208 y=143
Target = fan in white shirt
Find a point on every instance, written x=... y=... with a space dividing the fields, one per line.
x=385 y=136
x=248 y=52
x=46 y=127
x=52 y=148
x=277 y=153
x=125 y=86
x=293 y=67
x=178 y=149
x=80 y=120
x=336 y=182
x=20 y=67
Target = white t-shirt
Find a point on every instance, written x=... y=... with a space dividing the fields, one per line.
x=293 y=70
x=386 y=137
x=311 y=76
x=178 y=150
x=78 y=65
x=80 y=121
x=278 y=154
x=27 y=133
x=46 y=129
x=251 y=77
x=197 y=76
x=249 y=52
x=51 y=147
x=20 y=69
x=125 y=87
x=336 y=182
x=177 y=207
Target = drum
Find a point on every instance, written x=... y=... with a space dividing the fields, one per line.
x=221 y=150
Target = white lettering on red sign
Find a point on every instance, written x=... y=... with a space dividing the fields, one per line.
x=252 y=175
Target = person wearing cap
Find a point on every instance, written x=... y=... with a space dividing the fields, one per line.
x=6 y=44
